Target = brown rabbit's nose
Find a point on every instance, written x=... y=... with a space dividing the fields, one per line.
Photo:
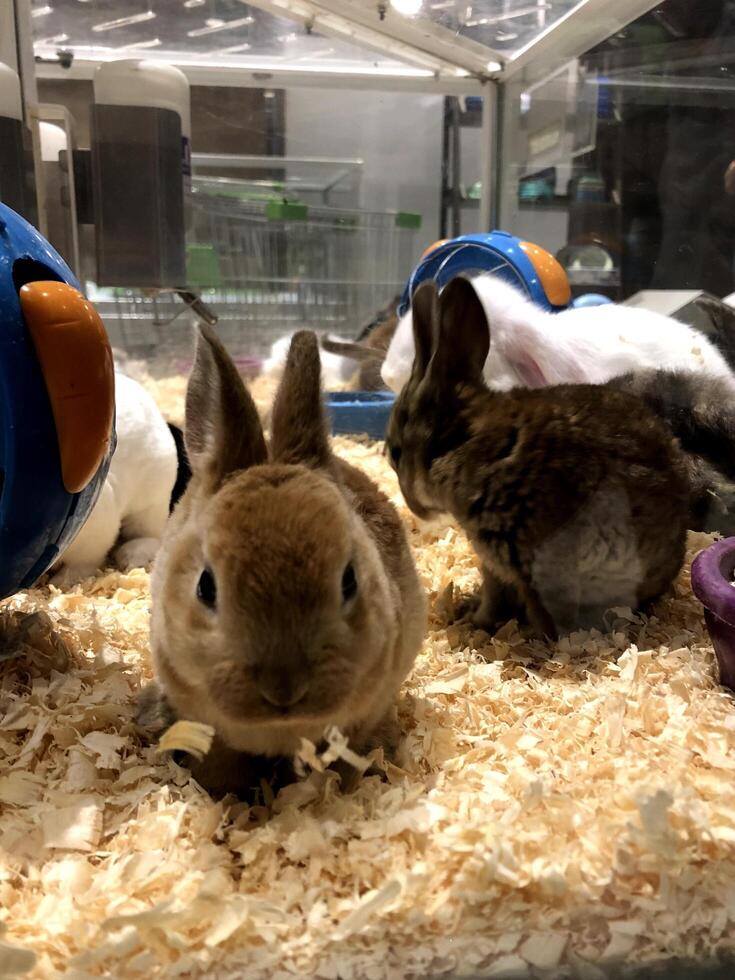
x=281 y=690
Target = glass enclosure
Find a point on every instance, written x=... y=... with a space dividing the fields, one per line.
x=307 y=209
x=543 y=777
x=621 y=160
x=310 y=206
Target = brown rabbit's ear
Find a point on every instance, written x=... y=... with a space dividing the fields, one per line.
x=223 y=431
x=464 y=333
x=298 y=422
x=425 y=317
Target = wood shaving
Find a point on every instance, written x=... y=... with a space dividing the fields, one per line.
x=558 y=811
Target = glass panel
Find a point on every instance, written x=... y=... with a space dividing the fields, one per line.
x=503 y=25
x=622 y=161
x=315 y=181
x=309 y=208
x=219 y=32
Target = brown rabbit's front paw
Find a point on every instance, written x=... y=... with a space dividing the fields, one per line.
x=489 y=624
x=349 y=777
x=225 y=771
x=153 y=711
x=386 y=735
x=496 y=604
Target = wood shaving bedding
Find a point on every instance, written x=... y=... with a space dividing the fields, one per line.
x=558 y=811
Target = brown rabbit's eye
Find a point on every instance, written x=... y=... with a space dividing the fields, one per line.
x=207 y=589
x=349 y=583
x=395 y=454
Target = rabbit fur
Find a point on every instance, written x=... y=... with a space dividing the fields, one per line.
x=133 y=505
x=533 y=348
x=336 y=368
x=699 y=410
x=285 y=598
x=575 y=497
x=369 y=348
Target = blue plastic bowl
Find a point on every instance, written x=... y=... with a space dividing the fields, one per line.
x=359 y=412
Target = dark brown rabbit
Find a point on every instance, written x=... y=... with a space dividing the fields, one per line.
x=699 y=410
x=285 y=598
x=575 y=497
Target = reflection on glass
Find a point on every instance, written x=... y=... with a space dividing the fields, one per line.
x=623 y=161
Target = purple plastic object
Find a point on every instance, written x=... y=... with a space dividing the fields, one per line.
x=712 y=573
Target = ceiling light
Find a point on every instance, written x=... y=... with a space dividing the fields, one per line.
x=234 y=49
x=194 y=3
x=321 y=53
x=520 y=12
x=42 y=11
x=137 y=45
x=409 y=8
x=113 y=25
x=50 y=41
x=214 y=25
x=93 y=53
x=493 y=66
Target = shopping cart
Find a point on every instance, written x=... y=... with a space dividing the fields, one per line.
x=267 y=266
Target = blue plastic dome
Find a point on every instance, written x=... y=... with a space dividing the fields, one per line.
x=499 y=252
x=38 y=515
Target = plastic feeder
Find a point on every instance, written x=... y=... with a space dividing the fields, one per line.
x=360 y=412
x=712 y=575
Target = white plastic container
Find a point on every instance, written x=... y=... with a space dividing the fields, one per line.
x=17 y=178
x=11 y=104
x=141 y=173
x=136 y=82
x=53 y=142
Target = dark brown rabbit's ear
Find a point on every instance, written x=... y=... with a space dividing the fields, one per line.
x=425 y=317
x=223 y=431
x=464 y=333
x=298 y=422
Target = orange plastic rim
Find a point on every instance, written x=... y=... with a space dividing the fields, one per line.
x=551 y=274
x=441 y=241
x=76 y=361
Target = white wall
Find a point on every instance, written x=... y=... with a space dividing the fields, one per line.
x=398 y=135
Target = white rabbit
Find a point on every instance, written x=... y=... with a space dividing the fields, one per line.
x=336 y=370
x=135 y=497
x=533 y=348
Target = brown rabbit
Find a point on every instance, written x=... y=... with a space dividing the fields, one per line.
x=285 y=598
x=575 y=497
